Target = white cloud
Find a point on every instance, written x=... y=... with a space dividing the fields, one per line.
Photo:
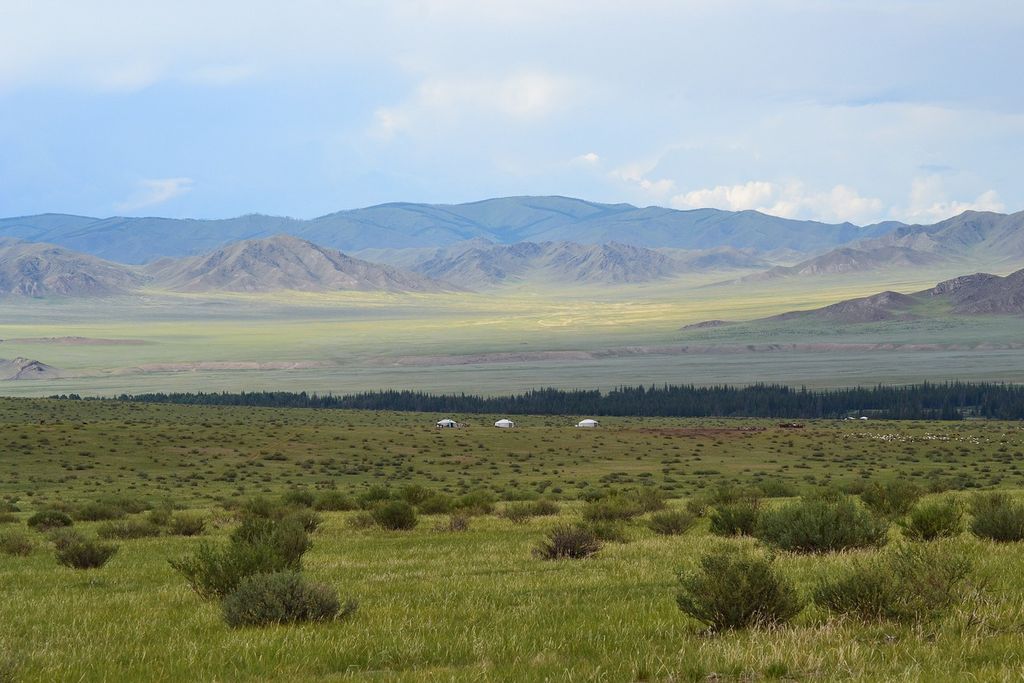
x=155 y=191
x=636 y=174
x=790 y=199
x=929 y=202
x=590 y=159
x=523 y=97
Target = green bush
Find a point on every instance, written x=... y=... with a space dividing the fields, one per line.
x=334 y=501
x=373 y=496
x=128 y=529
x=649 y=499
x=934 y=519
x=8 y=518
x=301 y=498
x=160 y=516
x=258 y=546
x=282 y=598
x=396 y=515
x=16 y=542
x=78 y=552
x=892 y=498
x=615 y=507
x=734 y=588
x=307 y=518
x=567 y=542
x=186 y=524
x=671 y=522
x=738 y=518
x=476 y=503
x=820 y=524
x=49 y=519
x=98 y=511
x=435 y=504
x=521 y=511
x=414 y=494
x=912 y=582
x=997 y=516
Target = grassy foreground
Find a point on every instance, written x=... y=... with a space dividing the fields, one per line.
x=473 y=605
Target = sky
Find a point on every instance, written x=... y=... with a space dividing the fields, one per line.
x=846 y=110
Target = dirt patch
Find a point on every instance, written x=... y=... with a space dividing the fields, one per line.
x=699 y=432
x=77 y=341
x=207 y=366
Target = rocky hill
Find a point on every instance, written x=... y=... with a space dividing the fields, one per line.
x=43 y=270
x=982 y=294
x=282 y=262
x=977 y=294
x=479 y=265
x=25 y=368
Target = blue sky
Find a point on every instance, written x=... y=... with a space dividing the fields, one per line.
x=862 y=111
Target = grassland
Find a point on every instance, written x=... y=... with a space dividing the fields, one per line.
x=473 y=605
x=447 y=342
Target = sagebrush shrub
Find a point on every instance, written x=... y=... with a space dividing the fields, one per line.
x=414 y=494
x=891 y=498
x=567 y=542
x=282 y=598
x=734 y=588
x=186 y=524
x=476 y=503
x=521 y=511
x=334 y=501
x=738 y=518
x=128 y=529
x=307 y=518
x=97 y=511
x=671 y=522
x=934 y=519
x=912 y=582
x=78 y=552
x=45 y=520
x=372 y=496
x=455 y=522
x=819 y=524
x=258 y=546
x=160 y=516
x=396 y=515
x=435 y=504
x=617 y=506
x=303 y=498
x=361 y=520
x=16 y=542
x=997 y=516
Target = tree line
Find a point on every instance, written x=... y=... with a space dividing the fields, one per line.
x=927 y=401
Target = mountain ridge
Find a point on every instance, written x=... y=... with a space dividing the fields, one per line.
x=505 y=220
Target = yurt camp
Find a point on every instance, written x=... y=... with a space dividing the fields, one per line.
x=504 y=423
x=588 y=424
x=447 y=424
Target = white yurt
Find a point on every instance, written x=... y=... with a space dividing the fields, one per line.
x=447 y=424
x=504 y=423
x=588 y=424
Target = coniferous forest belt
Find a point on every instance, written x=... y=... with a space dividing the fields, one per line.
x=949 y=401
